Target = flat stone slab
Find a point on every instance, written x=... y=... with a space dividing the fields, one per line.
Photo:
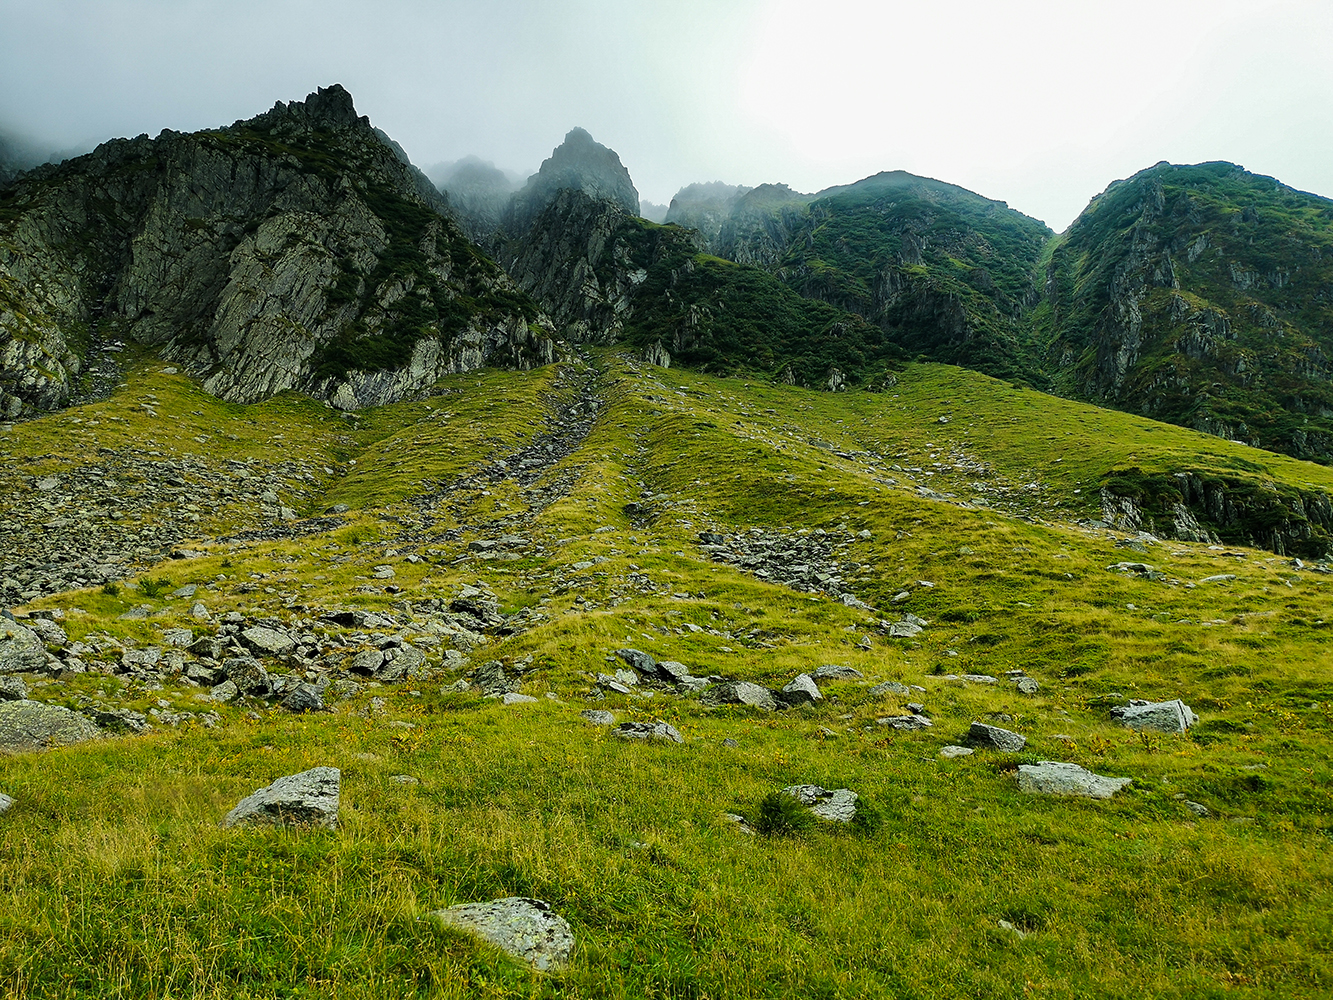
x=523 y=928
x=837 y=805
x=306 y=799
x=1051 y=777
x=834 y=672
x=31 y=725
x=1158 y=716
x=950 y=752
x=906 y=723
x=648 y=731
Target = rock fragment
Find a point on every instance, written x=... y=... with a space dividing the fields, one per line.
x=1050 y=777
x=31 y=725
x=741 y=693
x=21 y=649
x=837 y=805
x=1157 y=716
x=982 y=735
x=308 y=799
x=523 y=928
x=648 y=731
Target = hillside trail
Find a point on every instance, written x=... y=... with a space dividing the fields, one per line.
x=572 y=407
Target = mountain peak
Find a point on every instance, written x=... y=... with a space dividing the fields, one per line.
x=582 y=163
x=328 y=107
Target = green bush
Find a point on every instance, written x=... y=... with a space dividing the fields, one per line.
x=780 y=815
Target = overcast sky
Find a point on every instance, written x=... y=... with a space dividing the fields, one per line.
x=1040 y=103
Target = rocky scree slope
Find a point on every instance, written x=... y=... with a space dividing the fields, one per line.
x=1201 y=295
x=295 y=250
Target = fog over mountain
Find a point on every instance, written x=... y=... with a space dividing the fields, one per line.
x=1034 y=102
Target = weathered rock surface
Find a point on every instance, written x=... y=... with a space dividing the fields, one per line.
x=979 y=734
x=292 y=250
x=741 y=693
x=6 y=804
x=523 y=928
x=308 y=799
x=1158 y=716
x=578 y=164
x=21 y=649
x=837 y=805
x=31 y=725
x=1049 y=777
x=800 y=691
x=648 y=731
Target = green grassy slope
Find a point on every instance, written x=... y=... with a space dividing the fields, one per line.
x=117 y=880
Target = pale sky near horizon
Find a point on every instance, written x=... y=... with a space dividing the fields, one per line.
x=1040 y=103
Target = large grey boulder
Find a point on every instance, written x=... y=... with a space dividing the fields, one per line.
x=741 y=693
x=801 y=691
x=639 y=660
x=263 y=641
x=523 y=928
x=648 y=731
x=31 y=725
x=837 y=805
x=21 y=649
x=248 y=674
x=304 y=698
x=1157 y=716
x=306 y=799
x=982 y=735
x=12 y=688
x=1051 y=777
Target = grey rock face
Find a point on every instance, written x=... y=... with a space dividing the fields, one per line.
x=648 y=731
x=248 y=674
x=741 y=693
x=306 y=799
x=982 y=735
x=12 y=688
x=523 y=928
x=1157 y=716
x=838 y=805
x=639 y=660
x=801 y=691
x=1027 y=685
x=246 y=253
x=21 y=649
x=49 y=632
x=30 y=725
x=490 y=678
x=1051 y=777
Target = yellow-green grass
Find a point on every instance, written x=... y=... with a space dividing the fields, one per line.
x=120 y=883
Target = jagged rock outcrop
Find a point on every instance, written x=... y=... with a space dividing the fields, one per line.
x=578 y=164
x=297 y=250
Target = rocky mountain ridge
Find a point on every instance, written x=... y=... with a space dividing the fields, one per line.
x=295 y=250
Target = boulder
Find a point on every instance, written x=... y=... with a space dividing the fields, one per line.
x=490 y=678
x=31 y=725
x=12 y=688
x=1050 y=777
x=1026 y=685
x=982 y=735
x=598 y=717
x=639 y=660
x=742 y=693
x=514 y=698
x=49 y=632
x=6 y=804
x=21 y=649
x=648 y=731
x=304 y=698
x=523 y=928
x=1157 y=716
x=801 y=691
x=399 y=662
x=950 y=752
x=248 y=674
x=838 y=805
x=672 y=672
x=264 y=641
x=307 y=799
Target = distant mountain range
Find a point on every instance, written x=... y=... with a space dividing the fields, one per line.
x=300 y=250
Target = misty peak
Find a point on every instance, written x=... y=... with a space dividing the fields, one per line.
x=581 y=163
x=328 y=107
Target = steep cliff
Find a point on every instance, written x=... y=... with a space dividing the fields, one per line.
x=580 y=163
x=297 y=249
x=1201 y=295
